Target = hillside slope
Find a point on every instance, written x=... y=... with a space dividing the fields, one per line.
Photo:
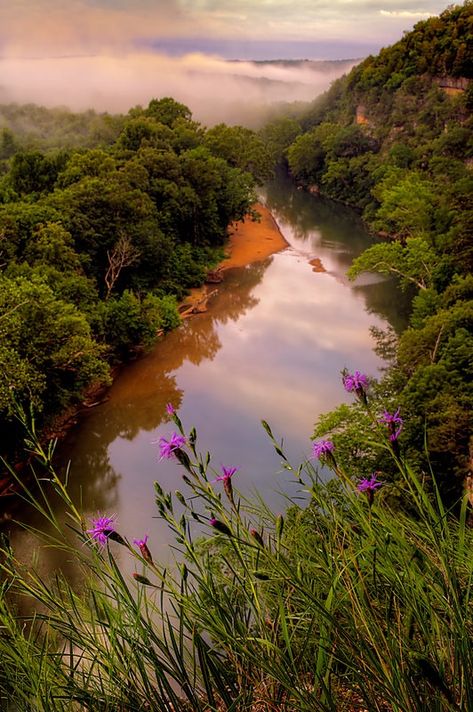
x=394 y=140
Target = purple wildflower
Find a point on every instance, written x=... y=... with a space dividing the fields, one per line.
x=356 y=383
x=369 y=485
x=167 y=448
x=142 y=545
x=226 y=478
x=170 y=410
x=322 y=448
x=101 y=529
x=394 y=423
x=228 y=473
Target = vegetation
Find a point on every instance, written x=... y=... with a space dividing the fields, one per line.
x=394 y=140
x=345 y=602
x=98 y=243
x=360 y=596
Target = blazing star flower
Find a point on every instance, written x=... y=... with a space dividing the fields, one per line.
x=141 y=542
x=322 y=448
x=101 y=529
x=369 y=484
x=170 y=410
x=142 y=545
x=394 y=423
x=228 y=473
x=355 y=382
x=167 y=448
x=226 y=478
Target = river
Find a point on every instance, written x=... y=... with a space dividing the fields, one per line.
x=272 y=345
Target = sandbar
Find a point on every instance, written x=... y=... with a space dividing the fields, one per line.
x=251 y=241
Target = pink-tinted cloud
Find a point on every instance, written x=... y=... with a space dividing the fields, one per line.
x=115 y=83
x=45 y=27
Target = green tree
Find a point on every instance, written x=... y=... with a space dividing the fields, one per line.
x=240 y=148
x=407 y=205
x=278 y=135
x=413 y=262
x=50 y=355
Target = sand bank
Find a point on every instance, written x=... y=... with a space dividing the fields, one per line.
x=253 y=241
x=248 y=242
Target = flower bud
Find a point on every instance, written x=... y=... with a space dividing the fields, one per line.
x=142 y=579
x=220 y=527
x=257 y=537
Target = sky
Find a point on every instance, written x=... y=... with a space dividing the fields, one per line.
x=51 y=50
x=304 y=28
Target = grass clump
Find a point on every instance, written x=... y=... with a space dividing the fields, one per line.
x=342 y=603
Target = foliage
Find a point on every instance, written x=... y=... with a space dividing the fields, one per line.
x=394 y=139
x=414 y=262
x=109 y=232
x=343 y=601
x=48 y=353
x=241 y=148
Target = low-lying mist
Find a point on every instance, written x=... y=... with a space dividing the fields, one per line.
x=214 y=89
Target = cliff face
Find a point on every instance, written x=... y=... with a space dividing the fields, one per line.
x=453 y=85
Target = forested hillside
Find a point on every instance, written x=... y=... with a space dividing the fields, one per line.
x=98 y=244
x=394 y=140
x=106 y=220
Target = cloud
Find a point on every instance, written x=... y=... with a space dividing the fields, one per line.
x=405 y=13
x=45 y=27
x=117 y=82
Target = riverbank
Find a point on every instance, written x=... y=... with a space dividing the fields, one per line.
x=252 y=241
x=249 y=241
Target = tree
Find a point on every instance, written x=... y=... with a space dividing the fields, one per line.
x=123 y=254
x=8 y=144
x=240 y=148
x=168 y=111
x=414 y=262
x=50 y=244
x=408 y=204
x=306 y=158
x=278 y=135
x=49 y=354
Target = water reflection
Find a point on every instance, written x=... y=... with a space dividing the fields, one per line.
x=272 y=345
x=335 y=234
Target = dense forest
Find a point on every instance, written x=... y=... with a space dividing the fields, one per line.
x=394 y=140
x=99 y=242
x=358 y=596
x=106 y=221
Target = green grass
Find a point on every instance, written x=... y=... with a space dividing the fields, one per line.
x=337 y=601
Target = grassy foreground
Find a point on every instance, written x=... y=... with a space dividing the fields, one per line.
x=343 y=603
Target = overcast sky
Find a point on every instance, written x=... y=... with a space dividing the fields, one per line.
x=229 y=28
x=113 y=54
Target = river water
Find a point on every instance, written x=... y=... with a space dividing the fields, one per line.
x=272 y=345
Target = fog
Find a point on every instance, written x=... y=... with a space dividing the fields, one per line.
x=214 y=89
